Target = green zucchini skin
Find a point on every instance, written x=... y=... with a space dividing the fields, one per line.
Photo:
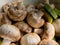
x=51 y=11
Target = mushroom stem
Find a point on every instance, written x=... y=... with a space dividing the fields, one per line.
x=6 y=42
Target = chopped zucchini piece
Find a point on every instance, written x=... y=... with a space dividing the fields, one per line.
x=48 y=18
x=57 y=11
x=51 y=11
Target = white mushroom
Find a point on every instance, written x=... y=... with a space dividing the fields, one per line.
x=30 y=8
x=24 y=27
x=30 y=39
x=1 y=17
x=34 y=19
x=9 y=33
x=4 y=19
x=12 y=44
x=56 y=24
x=49 y=31
x=48 y=42
x=16 y=11
x=38 y=31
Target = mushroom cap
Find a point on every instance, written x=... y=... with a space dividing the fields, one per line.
x=49 y=31
x=30 y=39
x=12 y=44
x=9 y=32
x=41 y=5
x=5 y=8
x=34 y=19
x=16 y=11
x=38 y=31
x=1 y=16
x=56 y=25
x=30 y=8
x=48 y=42
x=4 y=19
x=24 y=27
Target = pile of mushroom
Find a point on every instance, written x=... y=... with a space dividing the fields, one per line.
x=26 y=25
